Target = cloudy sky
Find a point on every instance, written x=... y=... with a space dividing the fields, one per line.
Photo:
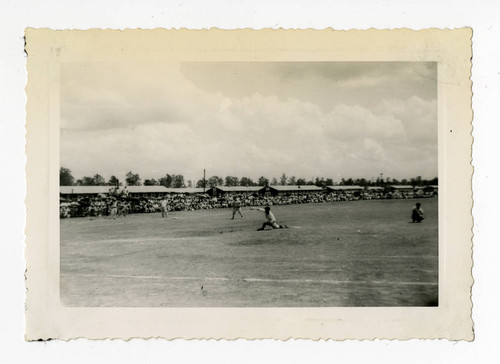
x=306 y=119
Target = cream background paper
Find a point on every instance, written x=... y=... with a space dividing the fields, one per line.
x=46 y=318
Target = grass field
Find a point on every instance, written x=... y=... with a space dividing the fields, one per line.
x=360 y=253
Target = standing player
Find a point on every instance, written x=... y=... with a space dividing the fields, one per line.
x=114 y=208
x=237 y=207
x=164 y=207
x=417 y=214
x=270 y=219
x=123 y=209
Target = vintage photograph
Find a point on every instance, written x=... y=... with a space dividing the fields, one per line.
x=248 y=184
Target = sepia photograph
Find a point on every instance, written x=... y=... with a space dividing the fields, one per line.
x=224 y=182
x=249 y=184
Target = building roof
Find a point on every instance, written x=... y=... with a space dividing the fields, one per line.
x=187 y=190
x=146 y=189
x=106 y=189
x=297 y=188
x=375 y=188
x=240 y=188
x=344 y=188
x=402 y=187
x=84 y=189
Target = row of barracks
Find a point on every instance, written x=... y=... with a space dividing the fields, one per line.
x=77 y=192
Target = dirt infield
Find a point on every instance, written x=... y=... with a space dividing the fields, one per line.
x=360 y=253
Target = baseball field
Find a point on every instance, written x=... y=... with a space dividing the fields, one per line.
x=341 y=254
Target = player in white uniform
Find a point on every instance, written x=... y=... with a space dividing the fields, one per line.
x=114 y=209
x=236 y=208
x=270 y=219
x=164 y=207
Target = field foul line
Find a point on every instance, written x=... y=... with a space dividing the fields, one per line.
x=209 y=215
x=251 y=279
x=121 y=240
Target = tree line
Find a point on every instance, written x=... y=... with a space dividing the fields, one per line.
x=177 y=181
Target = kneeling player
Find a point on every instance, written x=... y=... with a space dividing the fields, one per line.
x=270 y=219
x=417 y=214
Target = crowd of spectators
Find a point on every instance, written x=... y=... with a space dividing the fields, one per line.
x=379 y=195
x=102 y=204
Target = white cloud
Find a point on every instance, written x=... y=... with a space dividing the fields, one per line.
x=158 y=122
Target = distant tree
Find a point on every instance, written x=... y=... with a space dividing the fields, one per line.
x=320 y=182
x=404 y=181
x=329 y=182
x=310 y=183
x=151 y=182
x=88 y=181
x=274 y=181
x=283 y=179
x=301 y=181
x=433 y=181
x=215 y=181
x=292 y=181
x=113 y=181
x=189 y=183
x=361 y=182
x=201 y=183
x=263 y=181
x=99 y=180
x=178 y=181
x=166 y=181
x=416 y=181
x=65 y=177
x=132 y=179
x=232 y=181
x=246 y=181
